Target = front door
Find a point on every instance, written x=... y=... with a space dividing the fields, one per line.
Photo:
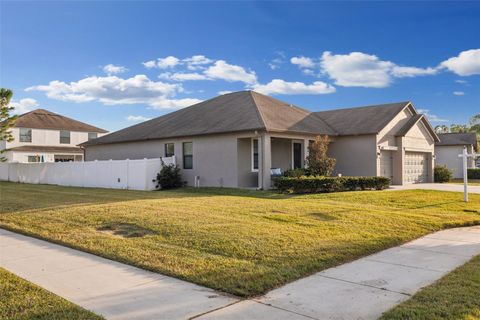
x=297 y=155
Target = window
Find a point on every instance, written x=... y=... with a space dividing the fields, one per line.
x=254 y=154
x=92 y=135
x=187 y=155
x=25 y=135
x=64 y=158
x=65 y=136
x=169 y=149
x=33 y=159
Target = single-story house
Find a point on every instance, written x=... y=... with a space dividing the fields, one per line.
x=44 y=136
x=450 y=146
x=234 y=140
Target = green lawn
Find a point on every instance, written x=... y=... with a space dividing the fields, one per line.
x=241 y=242
x=455 y=296
x=21 y=299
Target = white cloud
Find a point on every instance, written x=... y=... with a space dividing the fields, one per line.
x=224 y=92
x=168 y=62
x=150 y=64
x=24 y=105
x=160 y=104
x=197 y=62
x=278 y=61
x=467 y=63
x=279 y=86
x=303 y=62
x=410 y=72
x=162 y=63
x=231 y=73
x=462 y=81
x=137 y=118
x=112 y=69
x=179 y=76
x=459 y=93
x=358 y=69
x=431 y=117
x=113 y=90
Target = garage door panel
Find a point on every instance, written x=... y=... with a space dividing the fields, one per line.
x=416 y=167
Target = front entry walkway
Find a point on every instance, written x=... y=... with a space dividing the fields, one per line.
x=362 y=289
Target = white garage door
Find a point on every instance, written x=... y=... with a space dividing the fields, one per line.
x=386 y=164
x=416 y=167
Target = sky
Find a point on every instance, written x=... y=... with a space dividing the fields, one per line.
x=115 y=64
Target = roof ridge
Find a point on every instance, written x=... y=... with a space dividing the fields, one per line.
x=369 y=106
x=259 y=112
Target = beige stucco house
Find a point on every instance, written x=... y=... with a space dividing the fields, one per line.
x=43 y=136
x=234 y=140
x=450 y=146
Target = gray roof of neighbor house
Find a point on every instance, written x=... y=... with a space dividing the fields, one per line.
x=44 y=119
x=362 y=120
x=233 y=112
x=457 y=139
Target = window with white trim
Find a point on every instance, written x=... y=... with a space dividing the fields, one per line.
x=188 y=155
x=25 y=135
x=64 y=137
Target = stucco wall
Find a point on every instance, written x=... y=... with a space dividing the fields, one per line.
x=44 y=137
x=448 y=155
x=246 y=178
x=282 y=153
x=386 y=136
x=356 y=155
x=214 y=157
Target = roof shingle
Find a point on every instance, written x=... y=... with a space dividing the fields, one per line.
x=44 y=119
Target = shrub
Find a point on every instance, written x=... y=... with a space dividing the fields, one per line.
x=169 y=177
x=320 y=184
x=442 y=174
x=317 y=161
x=473 y=173
x=295 y=172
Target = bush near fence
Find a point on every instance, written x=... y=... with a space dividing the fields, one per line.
x=320 y=184
x=473 y=173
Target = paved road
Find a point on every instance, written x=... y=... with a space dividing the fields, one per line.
x=437 y=186
x=362 y=289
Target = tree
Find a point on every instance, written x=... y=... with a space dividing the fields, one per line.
x=441 y=128
x=317 y=160
x=7 y=120
x=458 y=128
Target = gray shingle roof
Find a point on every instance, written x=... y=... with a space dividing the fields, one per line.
x=361 y=120
x=44 y=119
x=233 y=112
x=457 y=139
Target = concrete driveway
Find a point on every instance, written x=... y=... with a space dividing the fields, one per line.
x=437 y=186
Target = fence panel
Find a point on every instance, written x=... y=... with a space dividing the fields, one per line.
x=118 y=174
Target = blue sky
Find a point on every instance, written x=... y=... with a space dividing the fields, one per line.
x=113 y=64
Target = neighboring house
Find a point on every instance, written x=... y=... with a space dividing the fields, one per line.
x=44 y=136
x=234 y=140
x=450 y=146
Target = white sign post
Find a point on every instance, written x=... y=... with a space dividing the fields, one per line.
x=465 y=155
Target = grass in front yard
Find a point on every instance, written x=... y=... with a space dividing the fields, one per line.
x=455 y=296
x=242 y=242
x=21 y=299
x=473 y=182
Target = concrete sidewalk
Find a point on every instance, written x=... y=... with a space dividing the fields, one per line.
x=436 y=186
x=362 y=289
x=365 y=288
x=108 y=288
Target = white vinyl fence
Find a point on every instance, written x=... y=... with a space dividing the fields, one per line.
x=117 y=174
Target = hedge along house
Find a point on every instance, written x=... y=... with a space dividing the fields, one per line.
x=450 y=146
x=234 y=140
